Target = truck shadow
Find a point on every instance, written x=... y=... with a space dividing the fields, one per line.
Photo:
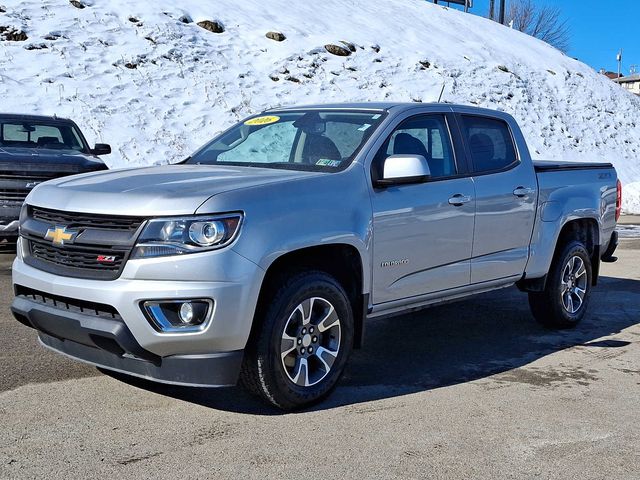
x=446 y=345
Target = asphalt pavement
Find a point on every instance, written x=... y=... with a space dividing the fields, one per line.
x=474 y=389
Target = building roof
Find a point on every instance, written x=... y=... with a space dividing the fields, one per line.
x=611 y=75
x=628 y=79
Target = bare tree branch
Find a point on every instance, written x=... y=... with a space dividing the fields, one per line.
x=541 y=21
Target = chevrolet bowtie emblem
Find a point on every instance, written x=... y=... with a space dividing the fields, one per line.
x=60 y=235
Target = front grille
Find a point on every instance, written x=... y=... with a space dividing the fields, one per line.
x=70 y=304
x=77 y=257
x=99 y=250
x=84 y=220
x=13 y=195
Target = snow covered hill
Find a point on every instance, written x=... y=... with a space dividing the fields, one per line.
x=147 y=78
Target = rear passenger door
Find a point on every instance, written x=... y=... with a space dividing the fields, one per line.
x=506 y=197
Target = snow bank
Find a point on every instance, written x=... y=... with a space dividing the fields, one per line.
x=146 y=78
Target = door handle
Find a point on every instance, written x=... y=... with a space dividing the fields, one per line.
x=523 y=191
x=458 y=200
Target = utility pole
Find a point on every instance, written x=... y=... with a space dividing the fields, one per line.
x=619 y=59
x=502 y=11
x=492 y=9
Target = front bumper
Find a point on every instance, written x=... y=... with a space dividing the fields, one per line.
x=108 y=343
x=8 y=232
x=123 y=339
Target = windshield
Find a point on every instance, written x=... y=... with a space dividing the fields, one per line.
x=19 y=134
x=301 y=140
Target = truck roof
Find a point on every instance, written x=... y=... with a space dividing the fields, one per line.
x=385 y=106
x=33 y=118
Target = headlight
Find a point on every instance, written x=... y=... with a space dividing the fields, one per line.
x=177 y=236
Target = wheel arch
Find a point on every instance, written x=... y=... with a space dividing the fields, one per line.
x=585 y=230
x=340 y=260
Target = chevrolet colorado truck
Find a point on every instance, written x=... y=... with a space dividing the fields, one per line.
x=260 y=257
x=34 y=149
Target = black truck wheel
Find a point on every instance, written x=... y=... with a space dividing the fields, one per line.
x=563 y=303
x=302 y=344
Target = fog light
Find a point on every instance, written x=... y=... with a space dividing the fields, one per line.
x=178 y=315
x=186 y=312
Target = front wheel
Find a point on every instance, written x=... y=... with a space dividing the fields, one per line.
x=564 y=301
x=302 y=344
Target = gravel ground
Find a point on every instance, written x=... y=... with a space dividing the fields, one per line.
x=469 y=390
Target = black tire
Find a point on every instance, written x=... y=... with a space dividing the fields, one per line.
x=550 y=307
x=266 y=373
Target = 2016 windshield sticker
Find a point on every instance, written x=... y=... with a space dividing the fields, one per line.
x=325 y=162
x=266 y=120
x=364 y=127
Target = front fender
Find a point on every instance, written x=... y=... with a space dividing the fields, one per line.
x=329 y=209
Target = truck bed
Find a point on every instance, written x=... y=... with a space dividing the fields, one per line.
x=545 y=165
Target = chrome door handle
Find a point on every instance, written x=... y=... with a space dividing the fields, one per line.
x=458 y=200
x=523 y=191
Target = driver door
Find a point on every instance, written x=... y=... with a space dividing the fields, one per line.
x=423 y=232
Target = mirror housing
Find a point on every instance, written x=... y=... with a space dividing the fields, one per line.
x=404 y=169
x=101 y=149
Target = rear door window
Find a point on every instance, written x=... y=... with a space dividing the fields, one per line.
x=490 y=143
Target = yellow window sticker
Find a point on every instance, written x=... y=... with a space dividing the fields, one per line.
x=262 y=120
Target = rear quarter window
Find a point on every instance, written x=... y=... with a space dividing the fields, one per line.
x=490 y=143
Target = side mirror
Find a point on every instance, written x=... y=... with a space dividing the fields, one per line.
x=101 y=149
x=404 y=169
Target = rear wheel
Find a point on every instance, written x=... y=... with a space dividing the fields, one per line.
x=564 y=301
x=302 y=343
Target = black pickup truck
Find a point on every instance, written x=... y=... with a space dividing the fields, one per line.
x=34 y=149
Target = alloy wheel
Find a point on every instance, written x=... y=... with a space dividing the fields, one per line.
x=310 y=342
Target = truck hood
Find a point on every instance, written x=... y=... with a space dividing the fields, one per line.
x=46 y=163
x=152 y=191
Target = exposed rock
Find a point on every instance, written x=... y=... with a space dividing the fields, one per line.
x=277 y=36
x=212 y=25
x=424 y=64
x=77 y=4
x=52 y=36
x=275 y=78
x=292 y=79
x=12 y=35
x=185 y=19
x=133 y=20
x=502 y=68
x=375 y=48
x=337 y=50
x=349 y=45
x=131 y=66
x=36 y=46
x=3 y=9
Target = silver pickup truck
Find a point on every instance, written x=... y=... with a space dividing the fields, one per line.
x=261 y=257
